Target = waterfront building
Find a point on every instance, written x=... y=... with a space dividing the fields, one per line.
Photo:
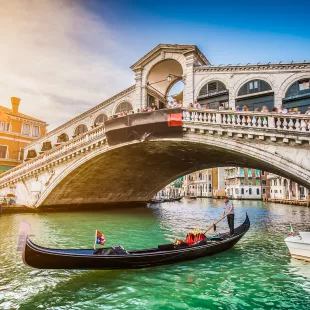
x=265 y=182
x=243 y=183
x=205 y=183
x=285 y=189
x=17 y=131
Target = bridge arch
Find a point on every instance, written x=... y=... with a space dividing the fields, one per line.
x=63 y=138
x=296 y=93
x=289 y=81
x=209 y=79
x=255 y=92
x=99 y=118
x=213 y=93
x=124 y=105
x=98 y=176
x=268 y=79
x=80 y=129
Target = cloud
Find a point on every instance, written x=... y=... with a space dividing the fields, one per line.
x=58 y=58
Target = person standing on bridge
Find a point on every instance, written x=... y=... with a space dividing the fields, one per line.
x=228 y=210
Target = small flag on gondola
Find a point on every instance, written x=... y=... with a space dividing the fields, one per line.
x=291 y=230
x=99 y=238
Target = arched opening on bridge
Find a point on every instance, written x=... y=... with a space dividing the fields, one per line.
x=62 y=138
x=79 y=130
x=31 y=154
x=124 y=106
x=46 y=146
x=160 y=81
x=213 y=95
x=298 y=95
x=255 y=94
x=175 y=94
x=100 y=119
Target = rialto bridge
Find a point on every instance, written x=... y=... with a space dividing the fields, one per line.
x=91 y=159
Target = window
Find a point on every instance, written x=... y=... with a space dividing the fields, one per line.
x=21 y=154
x=4 y=126
x=35 y=131
x=275 y=182
x=257 y=172
x=256 y=182
x=212 y=88
x=303 y=85
x=3 y=151
x=250 y=182
x=264 y=182
x=242 y=191
x=271 y=191
x=253 y=84
x=242 y=181
x=264 y=191
x=249 y=172
x=250 y=191
x=26 y=130
x=263 y=172
x=257 y=191
x=276 y=191
x=80 y=129
x=236 y=191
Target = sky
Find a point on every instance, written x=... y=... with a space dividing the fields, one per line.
x=63 y=57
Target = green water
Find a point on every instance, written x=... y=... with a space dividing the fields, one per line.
x=257 y=273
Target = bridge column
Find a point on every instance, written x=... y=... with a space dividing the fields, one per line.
x=189 y=83
x=138 y=78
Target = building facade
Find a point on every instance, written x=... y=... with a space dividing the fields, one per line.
x=243 y=183
x=17 y=131
x=285 y=189
x=205 y=183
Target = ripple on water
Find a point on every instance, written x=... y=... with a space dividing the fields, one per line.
x=256 y=274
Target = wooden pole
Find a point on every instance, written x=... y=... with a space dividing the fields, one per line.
x=215 y=223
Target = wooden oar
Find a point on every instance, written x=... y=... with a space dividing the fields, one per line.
x=215 y=224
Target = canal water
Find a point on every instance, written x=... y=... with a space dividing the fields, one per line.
x=257 y=273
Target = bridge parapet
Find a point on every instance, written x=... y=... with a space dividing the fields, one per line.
x=274 y=125
x=49 y=159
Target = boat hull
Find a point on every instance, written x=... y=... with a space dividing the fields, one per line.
x=44 y=258
x=298 y=248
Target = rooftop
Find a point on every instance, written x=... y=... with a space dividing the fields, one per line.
x=18 y=114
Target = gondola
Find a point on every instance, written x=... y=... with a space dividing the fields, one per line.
x=117 y=258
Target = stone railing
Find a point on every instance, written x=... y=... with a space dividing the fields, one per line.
x=77 y=143
x=287 y=122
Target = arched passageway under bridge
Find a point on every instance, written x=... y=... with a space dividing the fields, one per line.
x=135 y=171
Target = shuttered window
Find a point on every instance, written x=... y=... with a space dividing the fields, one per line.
x=3 y=151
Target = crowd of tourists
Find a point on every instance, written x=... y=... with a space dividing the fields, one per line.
x=197 y=105
x=245 y=108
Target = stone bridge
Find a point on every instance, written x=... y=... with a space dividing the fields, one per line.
x=89 y=170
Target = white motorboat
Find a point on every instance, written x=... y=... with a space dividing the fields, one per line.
x=299 y=246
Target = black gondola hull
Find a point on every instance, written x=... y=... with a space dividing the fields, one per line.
x=44 y=258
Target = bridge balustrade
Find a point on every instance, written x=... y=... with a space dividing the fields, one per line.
x=260 y=120
x=54 y=154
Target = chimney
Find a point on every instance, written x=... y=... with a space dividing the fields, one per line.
x=15 y=104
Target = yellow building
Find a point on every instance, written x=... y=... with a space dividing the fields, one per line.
x=16 y=131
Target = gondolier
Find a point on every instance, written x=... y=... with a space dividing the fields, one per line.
x=228 y=210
